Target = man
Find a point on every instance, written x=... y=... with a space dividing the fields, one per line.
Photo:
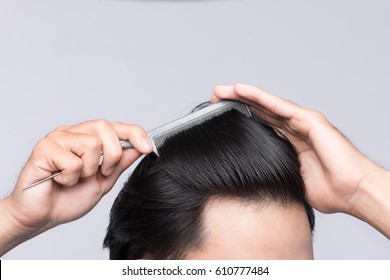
x=338 y=178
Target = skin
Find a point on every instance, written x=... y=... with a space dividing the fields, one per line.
x=75 y=151
x=337 y=176
x=236 y=229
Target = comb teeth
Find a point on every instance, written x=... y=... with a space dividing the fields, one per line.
x=160 y=134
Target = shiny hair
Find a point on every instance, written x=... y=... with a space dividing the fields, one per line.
x=158 y=213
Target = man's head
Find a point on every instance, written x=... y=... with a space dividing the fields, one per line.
x=229 y=188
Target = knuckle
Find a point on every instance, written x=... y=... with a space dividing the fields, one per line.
x=113 y=155
x=318 y=116
x=38 y=160
x=274 y=108
x=237 y=86
x=117 y=154
x=102 y=124
x=53 y=134
x=94 y=143
x=77 y=165
x=89 y=171
x=118 y=123
x=314 y=117
x=61 y=128
x=136 y=129
x=41 y=145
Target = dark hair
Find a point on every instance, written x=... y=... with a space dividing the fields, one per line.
x=158 y=213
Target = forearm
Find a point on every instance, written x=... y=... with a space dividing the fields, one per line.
x=372 y=201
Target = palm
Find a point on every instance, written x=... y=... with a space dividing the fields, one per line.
x=335 y=173
x=318 y=188
x=51 y=204
x=71 y=203
x=324 y=168
x=325 y=157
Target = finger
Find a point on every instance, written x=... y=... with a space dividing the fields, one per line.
x=135 y=134
x=111 y=147
x=272 y=103
x=48 y=157
x=224 y=92
x=258 y=98
x=61 y=128
x=214 y=98
x=128 y=157
x=70 y=166
x=268 y=117
x=87 y=147
x=227 y=92
x=285 y=127
x=139 y=139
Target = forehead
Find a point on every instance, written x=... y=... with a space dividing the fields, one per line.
x=235 y=229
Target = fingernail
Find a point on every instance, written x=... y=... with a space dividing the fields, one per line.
x=110 y=170
x=147 y=144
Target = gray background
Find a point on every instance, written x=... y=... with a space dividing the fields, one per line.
x=147 y=62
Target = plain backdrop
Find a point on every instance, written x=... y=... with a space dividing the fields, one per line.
x=149 y=62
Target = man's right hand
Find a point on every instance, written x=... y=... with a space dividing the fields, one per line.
x=75 y=151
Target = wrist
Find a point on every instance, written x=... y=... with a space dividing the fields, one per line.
x=12 y=231
x=371 y=202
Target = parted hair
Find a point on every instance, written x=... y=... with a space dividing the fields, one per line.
x=158 y=213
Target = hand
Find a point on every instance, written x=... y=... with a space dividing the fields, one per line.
x=75 y=151
x=334 y=171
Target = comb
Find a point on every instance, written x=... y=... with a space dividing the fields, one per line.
x=160 y=134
